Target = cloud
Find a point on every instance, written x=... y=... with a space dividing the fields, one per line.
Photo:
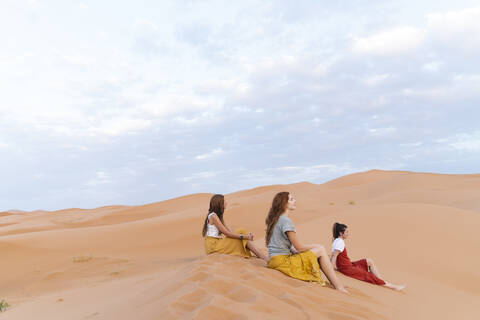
x=215 y=152
x=119 y=126
x=468 y=142
x=172 y=87
x=169 y=104
x=459 y=87
x=458 y=29
x=411 y=144
x=244 y=178
x=101 y=178
x=311 y=172
x=382 y=131
x=376 y=79
x=390 y=42
x=433 y=66
x=33 y=4
x=205 y=175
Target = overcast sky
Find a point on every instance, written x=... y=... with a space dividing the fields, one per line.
x=132 y=102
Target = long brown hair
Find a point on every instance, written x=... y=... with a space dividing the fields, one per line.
x=217 y=205
x=279 y=205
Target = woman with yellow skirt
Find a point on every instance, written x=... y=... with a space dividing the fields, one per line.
x=238 y=243
x=289 y=255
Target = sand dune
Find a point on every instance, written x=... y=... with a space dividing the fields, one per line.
x=147 y=262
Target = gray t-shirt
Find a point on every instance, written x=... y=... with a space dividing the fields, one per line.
x=279 y=242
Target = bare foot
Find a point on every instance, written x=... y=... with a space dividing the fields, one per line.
x=399 y=287
x=396 y=287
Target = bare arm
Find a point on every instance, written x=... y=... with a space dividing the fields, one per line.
x=333 y=258
x=292 y=236
x=226 y=231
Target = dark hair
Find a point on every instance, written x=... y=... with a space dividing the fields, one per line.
x=217 y=205
x=279 y=205
x=338 y=228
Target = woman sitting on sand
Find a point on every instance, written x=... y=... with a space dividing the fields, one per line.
x=299 y=261
x=239 y=243
x=364 y=269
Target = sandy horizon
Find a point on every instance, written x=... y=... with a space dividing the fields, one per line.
x=148 y=261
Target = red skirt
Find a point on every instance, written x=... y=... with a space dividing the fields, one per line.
x=357 y=269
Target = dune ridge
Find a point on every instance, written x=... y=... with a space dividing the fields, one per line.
x=147 y=262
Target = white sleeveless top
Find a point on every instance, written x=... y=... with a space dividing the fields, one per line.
x=212 y=230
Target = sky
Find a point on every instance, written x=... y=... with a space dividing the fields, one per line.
x=134 y=102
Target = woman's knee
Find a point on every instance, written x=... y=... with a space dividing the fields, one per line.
x=369 y=262
x=319 y=251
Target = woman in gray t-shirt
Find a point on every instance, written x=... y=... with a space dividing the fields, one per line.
x=289 y=255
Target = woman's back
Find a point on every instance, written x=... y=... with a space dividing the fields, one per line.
x=342 y=261
x=279 y=243
x=212 y=230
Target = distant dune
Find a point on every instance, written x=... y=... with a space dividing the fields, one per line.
x=148 y=262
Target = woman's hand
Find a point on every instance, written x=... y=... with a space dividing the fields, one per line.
x=248 y=236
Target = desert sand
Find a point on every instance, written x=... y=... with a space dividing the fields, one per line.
x=148 y=262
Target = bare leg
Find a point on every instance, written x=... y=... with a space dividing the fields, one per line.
x=327 y=268
x=376 y=273
x=256 y=251
x=373 y=268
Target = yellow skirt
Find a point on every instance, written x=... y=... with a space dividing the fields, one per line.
x=231 y=246
x=303 y=266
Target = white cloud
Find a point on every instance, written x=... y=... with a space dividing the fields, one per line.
x=213 y=153
x=199 y=176
x=276 y=67
x=187 y=121
x=412 y=144
x=380 y=101
x=433 y=66
x=376 y=79
x=460 y=86
x=468 y=145
x=33 y=4
x=119 y=126
x=223 y=86
x=456 y=29
x=242 y=109
x=464 y=142
x=270 y=175
x=39 y=176
x=382 y=131
x=255 y=81
x=409 y=156
x=145 y=25
x=390 y=42
x=101 y=177
x=169 y=104
x=291 y=174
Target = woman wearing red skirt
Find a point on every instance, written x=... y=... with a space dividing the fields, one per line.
x=364 y=269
